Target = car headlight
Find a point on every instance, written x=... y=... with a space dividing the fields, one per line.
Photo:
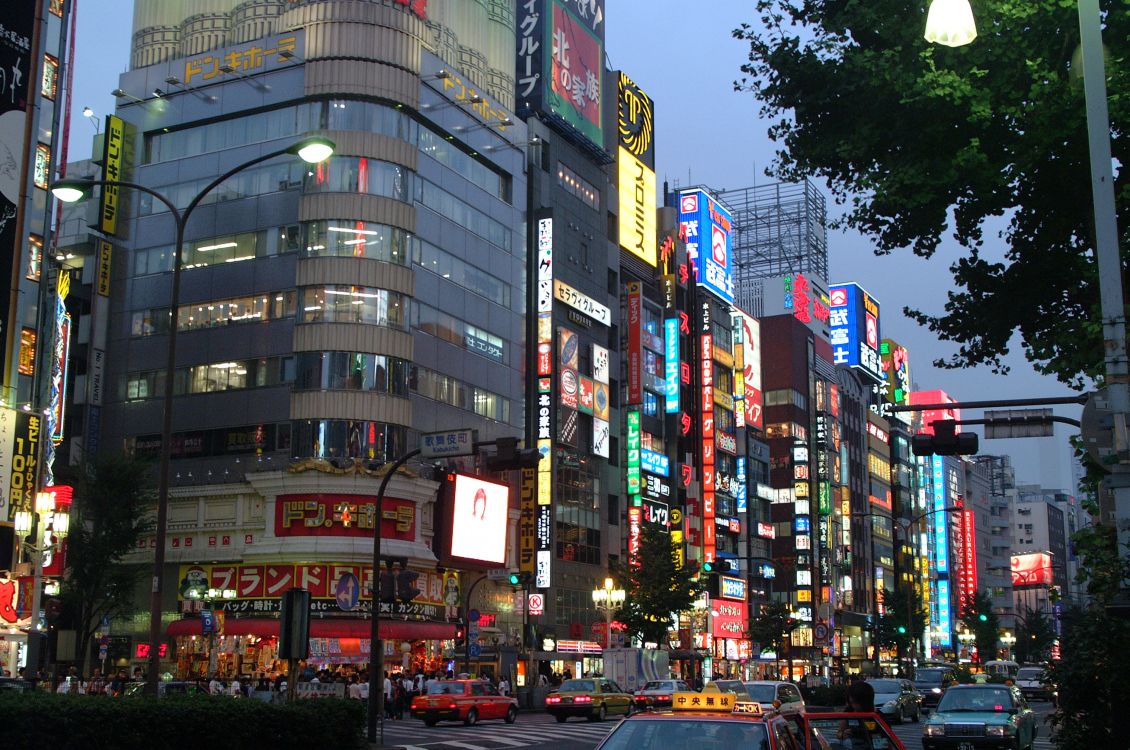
x=1001 y=730
x=936 y=690
x=934 y=730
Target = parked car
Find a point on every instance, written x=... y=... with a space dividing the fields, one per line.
x=981 y=716
x=657 y=693
x=467 y=701
x=932 y=683
x=592 y=697
x=896 y=700
x=773 y=694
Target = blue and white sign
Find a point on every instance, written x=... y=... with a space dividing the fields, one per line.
x=802 y=525
x=853 y=327
x=207 y=622
x=732 y=588
x=944 y=624
x=706 y=226
x=448 y=444
x=940 y=549
x=347 y=591
x=655 y=463
x=765 y=570
x=671 y=364
x=740 y=490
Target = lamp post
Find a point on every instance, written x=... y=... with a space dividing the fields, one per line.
x=609 y=599
x=209 y=597
x=1008 y=640
x=311 y=150
x=51 y=523
x=967 y=638
x=950 y=22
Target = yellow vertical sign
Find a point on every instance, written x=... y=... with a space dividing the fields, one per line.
x=105 y=250
x=527 y=522
x=112 y=152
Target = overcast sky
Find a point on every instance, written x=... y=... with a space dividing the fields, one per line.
x=683 y=56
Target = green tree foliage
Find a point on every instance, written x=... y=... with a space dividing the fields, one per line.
x=1035 y=636
x=903 y=622
x=979 y=619
x=771 y=626
x=112 y=504
x=656 y=588
x=1091 y=710
x=921 y=140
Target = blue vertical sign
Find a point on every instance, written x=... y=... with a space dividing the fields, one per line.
x=941 y=555
x=740 y=492
x=706 y=225
x=671 y=364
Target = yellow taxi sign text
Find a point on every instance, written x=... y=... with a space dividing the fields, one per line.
x=746 y=707
x=707 y=700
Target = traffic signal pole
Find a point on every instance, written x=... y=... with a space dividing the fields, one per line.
x=376 y=645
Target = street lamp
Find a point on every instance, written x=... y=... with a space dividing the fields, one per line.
x=312 y=150
x=1008 y=640
x=967 y=638
x=1107 y=257
x=209 y=597
x=52 y=523
x=609 y=598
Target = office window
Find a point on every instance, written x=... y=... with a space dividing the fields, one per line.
x=352 y=304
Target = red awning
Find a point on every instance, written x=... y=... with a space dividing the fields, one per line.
x=324 y=628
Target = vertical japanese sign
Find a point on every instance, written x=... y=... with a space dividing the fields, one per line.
x=527 y=522
x=940 y=549
x=25 y=463
x=545 y=407
x=575 y=90
x=632 y=444
x=531 y=37
x=635 y=343
x=17 y=23
x=854 y=329
x=967 y=575
x=705 y=227
x=706 y=427
x=112 y=151
x=635 y=157
x=671 y=364
x=7 y=436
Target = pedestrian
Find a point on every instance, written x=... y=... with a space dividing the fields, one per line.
x=861 y=699
x=263 y=685
x=389 y=695
x=97 y=684
x=433 y=678
x=71 y=684
x=118 y=684
x=216 y=686
x=234 y=689
x=504 y=686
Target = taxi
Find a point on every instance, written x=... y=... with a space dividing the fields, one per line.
x=716 y=720
x=467 y=701
x=594 y=698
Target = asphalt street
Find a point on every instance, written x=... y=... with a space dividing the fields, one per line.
x=537 y=729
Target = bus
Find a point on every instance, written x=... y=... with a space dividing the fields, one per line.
x=1002 y=668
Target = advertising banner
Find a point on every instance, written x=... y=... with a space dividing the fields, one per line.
x=25 y=462
x=479 y=519
x=527 y=539
x=1032 y=569
x=343 y=515
x=575 y=91
x=854 y=329
x=635 y=343
x=705 y=226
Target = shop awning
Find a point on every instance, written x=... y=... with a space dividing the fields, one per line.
x=324 y=628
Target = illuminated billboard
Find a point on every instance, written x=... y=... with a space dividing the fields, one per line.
x=929 y=416
x=478 y=520
x=940 y=549
x=635 y=157
x=753 y=401
x=896 y=372
x=854 y=329
x=1032 y=569
x=705 y=227
x=560 y=64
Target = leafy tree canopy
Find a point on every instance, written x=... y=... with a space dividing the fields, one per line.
x=980 y=620
x=772 y=625
x=920 y=140
x=656 y=588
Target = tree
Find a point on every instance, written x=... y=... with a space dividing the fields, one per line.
x=979 y=619
x=1034 y=637
x=656 y=588
x=771 y=627
x=113 y=498
x=920 y=140
x=898 y=627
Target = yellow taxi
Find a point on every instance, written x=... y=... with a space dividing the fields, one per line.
x=713 y=720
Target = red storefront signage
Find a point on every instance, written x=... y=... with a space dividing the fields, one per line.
x=343 y=515
x=967 y=572
x=729 y=619
x=635 y=343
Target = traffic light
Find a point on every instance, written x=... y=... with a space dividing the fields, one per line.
x=460 y=635
x=945 y=441
x=388 y=585
x=509 y=456
x=902 y=630
x=519 y=579
x=708 y=567
x=983 y=617
x=406 y=589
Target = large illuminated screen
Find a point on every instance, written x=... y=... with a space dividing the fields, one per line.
x=478 y=520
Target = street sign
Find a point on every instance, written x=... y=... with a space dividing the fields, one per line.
x=1018 y=423
x=474 y=615
x=475 y=649
x=535 y=603
x=448 y=444
x=820 y=633
x=498 y=574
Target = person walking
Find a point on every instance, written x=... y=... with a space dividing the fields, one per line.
x=216 y=686
x=504 y=686
x=97 y=683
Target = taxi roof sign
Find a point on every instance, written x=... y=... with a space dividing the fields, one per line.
x=747 y=707
x=707 y=700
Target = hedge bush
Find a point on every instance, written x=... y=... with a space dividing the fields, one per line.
x=63 y=722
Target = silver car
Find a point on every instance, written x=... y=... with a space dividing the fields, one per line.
x=773 y=694
x=896 y=700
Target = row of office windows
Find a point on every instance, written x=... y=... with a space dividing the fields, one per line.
x=338 y=114
x=228 y=248
x=459 y=332
x=318 y=371
x=216 y=313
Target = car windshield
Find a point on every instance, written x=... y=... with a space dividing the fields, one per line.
x=761 y=693
x=886 y=687
x=578 y=686
x=1030 y=673
x=928 y=675
x=679 y=734
x=446 y=688
x=653 y=685
x=976 y=699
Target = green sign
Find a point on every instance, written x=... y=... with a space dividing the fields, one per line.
x=633 y=453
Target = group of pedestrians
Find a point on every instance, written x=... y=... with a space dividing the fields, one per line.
x=73 y=683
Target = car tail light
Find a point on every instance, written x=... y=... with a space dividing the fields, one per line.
x=662 y=697
x=451 y=705
x=583 y=699
x=553 y=699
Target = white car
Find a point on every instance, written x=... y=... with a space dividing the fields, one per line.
x=1031 y=682
x=769 y=692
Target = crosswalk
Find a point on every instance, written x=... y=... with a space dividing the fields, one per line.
x=530 y=729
